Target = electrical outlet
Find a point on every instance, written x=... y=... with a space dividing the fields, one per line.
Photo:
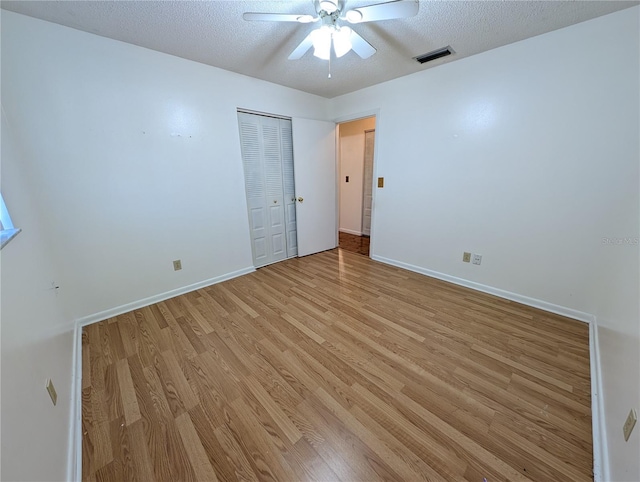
x=466 y=257
x=629 y=424
x=177 y=265
x=52 y=391
x=477 y=259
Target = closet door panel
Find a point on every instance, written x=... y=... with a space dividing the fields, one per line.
x=274 y=187
x=267 y=156
x=252 y=159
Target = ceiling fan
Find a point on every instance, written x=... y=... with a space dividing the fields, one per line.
x=331 y=13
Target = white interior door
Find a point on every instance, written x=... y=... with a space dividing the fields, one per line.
x=367 y=189
x=314 y=155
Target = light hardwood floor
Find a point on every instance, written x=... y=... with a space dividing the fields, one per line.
x=335 y=367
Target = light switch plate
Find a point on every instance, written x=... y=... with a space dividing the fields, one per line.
x=381 y=182
x=52 y=391
x=632 y=418
x=177 y=265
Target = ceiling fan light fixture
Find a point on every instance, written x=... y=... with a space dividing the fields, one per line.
x=305 y=18
x=329 y=6
x=341 y=41
x=322 y=43
x=353 y=16
x=330 y=14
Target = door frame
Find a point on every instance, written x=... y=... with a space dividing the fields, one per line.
x=364 y=170
x=348 y=118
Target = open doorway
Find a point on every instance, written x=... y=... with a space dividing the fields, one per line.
x=355 y=166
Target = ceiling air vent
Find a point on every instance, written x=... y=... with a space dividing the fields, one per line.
x=434 y=54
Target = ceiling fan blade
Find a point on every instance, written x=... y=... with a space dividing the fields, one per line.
x=276 y=17
x=301 y=49
x=360 y=46
x=383 y=11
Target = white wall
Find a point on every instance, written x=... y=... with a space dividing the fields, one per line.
x=36 y=337
x=351 y=135
x=135 y=158
x=618 y=292
x=527 y=154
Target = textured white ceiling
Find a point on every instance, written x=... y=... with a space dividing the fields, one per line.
x=214 y=33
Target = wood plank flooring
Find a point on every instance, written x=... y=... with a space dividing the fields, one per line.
x=334 y=367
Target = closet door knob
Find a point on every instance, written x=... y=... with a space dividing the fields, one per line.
x=300 y=199
x=275 y=201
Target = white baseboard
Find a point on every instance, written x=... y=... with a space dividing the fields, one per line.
x=134 y=305
x=525 y=300
x=349 y=231
x=600 y=451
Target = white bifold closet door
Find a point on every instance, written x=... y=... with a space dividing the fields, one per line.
x=267 y=156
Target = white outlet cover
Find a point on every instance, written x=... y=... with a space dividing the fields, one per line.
x=477 y=259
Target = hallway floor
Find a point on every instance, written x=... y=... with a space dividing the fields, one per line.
x=353 y=243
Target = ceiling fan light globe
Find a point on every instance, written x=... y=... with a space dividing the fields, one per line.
x=322 y=53
x=353 y=16
x=342 y=41
x=329 y=6
x=322 y=43
x=321 y=36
